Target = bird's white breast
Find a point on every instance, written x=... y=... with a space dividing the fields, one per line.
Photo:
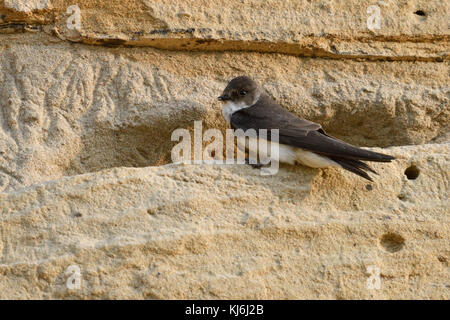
x=286 y=154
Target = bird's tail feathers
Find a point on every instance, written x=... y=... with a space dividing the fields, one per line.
x=355 y=166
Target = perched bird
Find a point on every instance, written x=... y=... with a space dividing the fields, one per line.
x=247 y=106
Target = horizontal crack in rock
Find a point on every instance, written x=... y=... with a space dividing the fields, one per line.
x=311 y=46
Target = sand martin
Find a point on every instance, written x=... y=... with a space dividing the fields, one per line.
x=247 y=106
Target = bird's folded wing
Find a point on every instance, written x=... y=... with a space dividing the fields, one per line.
x=269 y=115
x=301 y=133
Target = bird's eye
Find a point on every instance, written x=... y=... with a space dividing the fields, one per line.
x=243 y=92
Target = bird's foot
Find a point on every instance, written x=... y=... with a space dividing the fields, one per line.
x=254 y=165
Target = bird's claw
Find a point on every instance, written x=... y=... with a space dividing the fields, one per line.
x=254 y=165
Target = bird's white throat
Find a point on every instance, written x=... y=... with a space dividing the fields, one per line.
x=231 y=107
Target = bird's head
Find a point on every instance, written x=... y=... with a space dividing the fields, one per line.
x=241 y=91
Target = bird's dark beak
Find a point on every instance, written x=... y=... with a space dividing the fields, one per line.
x=223 y=98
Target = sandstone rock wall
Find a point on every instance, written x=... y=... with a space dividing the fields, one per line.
x=79 y=108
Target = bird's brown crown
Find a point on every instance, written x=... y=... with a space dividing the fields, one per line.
x=241 y=90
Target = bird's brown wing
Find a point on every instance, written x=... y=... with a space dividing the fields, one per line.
x=294 y=131
x=267 y=114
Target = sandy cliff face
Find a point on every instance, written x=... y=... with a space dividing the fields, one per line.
x=80 y=108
